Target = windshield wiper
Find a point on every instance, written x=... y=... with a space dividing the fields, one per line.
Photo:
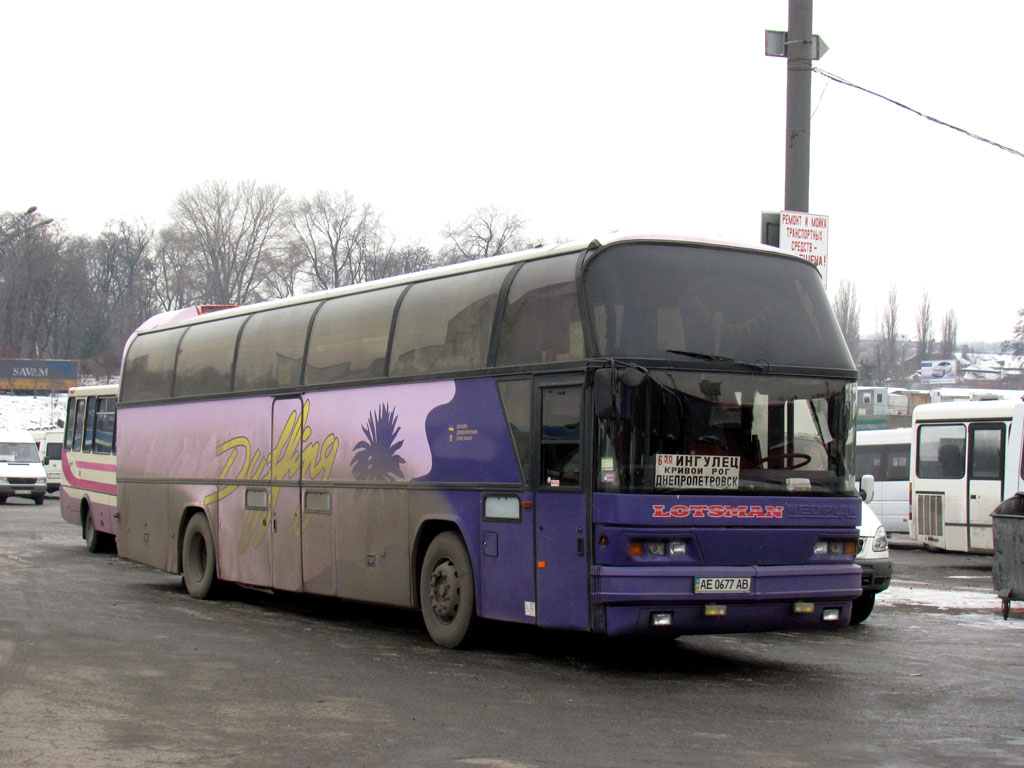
x=718 y=359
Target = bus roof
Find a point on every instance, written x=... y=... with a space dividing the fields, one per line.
x=192 y=315
x=93 y=389
x=974 y=409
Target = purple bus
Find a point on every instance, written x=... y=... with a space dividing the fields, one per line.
x=649 y=435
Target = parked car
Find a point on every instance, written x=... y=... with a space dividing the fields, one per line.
x=21 y=473
x=873 y=558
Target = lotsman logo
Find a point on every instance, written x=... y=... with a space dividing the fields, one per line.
x=716 y=510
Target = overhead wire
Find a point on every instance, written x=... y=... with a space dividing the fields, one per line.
x=844 y=81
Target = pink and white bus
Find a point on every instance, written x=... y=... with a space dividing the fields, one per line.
x=88 y=490
x=648 y=435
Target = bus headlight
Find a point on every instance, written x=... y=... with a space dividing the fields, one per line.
x=835 y=547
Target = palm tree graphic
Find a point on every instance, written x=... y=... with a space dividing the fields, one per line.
x=376 y=458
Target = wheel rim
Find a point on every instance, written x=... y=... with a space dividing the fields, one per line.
x=445 y=590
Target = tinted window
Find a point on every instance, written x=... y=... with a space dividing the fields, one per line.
x=205 y=358
x=445 y=325
x=541 y=322
x=270 y=348
x=560 y=435
x=515 y=396
x=987 y=453
x=149 y=367
x=90 y=424
x=658 y=300
x=898 y=463
x=69 y=423
x=79 y=424
x=104 y=434
x=349 y=340
x=869 y=461
x=940 y=451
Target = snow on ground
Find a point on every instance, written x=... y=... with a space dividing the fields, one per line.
x=31 y=412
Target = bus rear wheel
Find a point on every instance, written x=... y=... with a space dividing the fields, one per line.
x=447 y=596
x=93 y=538
x=199 y=558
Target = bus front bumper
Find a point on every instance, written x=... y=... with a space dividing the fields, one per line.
x=662 y=600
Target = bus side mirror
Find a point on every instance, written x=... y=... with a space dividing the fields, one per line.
x=867 y=488
x=604 y=393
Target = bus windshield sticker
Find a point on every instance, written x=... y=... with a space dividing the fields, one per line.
x=694 y=471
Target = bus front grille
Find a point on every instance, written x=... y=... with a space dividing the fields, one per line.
x=929 y=514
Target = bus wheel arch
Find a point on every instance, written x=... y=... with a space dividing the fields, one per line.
x=447 y=587
x=197 y=554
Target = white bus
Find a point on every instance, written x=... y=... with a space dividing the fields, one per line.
x=885 y=454
x=965 y=460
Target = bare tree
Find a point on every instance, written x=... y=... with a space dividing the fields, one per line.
x=485 y=232
x=949 y=329
x=334 y=232
x=924 y=328
x=1015 y=345
x=890 y=338
x=401 y=261
x=176 y=279
x=847 y=311
x=234 y=232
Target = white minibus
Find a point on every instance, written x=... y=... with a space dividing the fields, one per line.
x=965 y=460
x=885 y=454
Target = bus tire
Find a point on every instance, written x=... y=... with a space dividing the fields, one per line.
x=93 y=538
x=199 y=558
x=447 y=596
x=862 y=607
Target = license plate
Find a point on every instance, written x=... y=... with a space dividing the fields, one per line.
x=721 y=584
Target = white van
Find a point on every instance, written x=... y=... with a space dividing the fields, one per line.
x=885 y=454
x=51 y=443
x=21 y=472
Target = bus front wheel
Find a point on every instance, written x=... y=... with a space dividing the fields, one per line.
x=198 y=558
x=447 y=597
x=862 y=607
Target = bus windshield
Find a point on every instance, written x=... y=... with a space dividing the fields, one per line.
x=685 y=431
x=661 y=301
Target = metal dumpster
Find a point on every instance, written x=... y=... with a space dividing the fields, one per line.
x=1008 y=560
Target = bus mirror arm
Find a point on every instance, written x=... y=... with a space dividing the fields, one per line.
x=867 y=488
x=604 y=393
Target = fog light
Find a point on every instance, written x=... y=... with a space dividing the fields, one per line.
x=802 y=607
x=830 y=614
x=661 y=619
x=656 y=547
x=713 y=609
x=677 y=547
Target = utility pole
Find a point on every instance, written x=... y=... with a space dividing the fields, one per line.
x=800 y=47
x=799 y=43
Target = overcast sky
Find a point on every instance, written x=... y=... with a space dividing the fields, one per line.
x=582 y=117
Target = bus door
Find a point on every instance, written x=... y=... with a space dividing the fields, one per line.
x=285 y=493
x=561 y=505
x=507 y=588
x=986 y=446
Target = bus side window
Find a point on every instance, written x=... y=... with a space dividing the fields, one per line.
x=90 y=425
x=898 y=463
x=79 y=426
x=69 y=424
x=560 y=437
x=515 y=397
x=104 y=433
